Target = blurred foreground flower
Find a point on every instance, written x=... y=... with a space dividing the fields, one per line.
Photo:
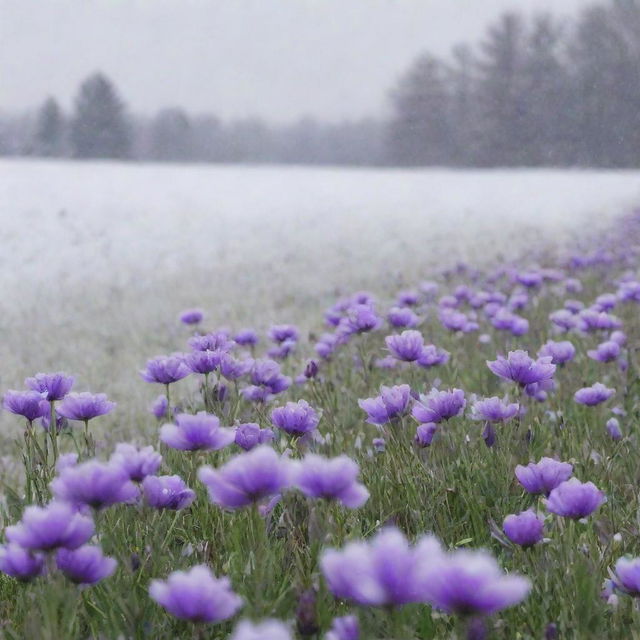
x=246 y=478
x=196 y=595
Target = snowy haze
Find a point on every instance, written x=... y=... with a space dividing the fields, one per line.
x=99 y=258
x=278 y=59
x=284 y=230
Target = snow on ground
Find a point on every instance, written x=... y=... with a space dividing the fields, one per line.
x=98 y=258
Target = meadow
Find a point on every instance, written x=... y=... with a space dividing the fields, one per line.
x=418 y=390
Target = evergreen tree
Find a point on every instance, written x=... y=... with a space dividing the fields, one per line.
x=547 y=120
x=501 y=98
x=421 y=130
x=99 y=128
x=462 y=79
x=50 y=129
x=171 y=136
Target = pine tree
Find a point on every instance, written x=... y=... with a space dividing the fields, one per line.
x=547 y=120
x=502 y=102
x=171 y=136
x=50 y=130
x=420 y=132
x=99 y=128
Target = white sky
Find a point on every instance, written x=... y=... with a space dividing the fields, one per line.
x=279 y=59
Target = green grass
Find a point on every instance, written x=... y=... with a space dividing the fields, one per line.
x=458 y=489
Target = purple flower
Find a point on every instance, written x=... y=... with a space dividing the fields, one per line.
x=468 y=582
x=250 y=435
x=266 y=373
x=543 y=476
x=529 y=279
x=574 y=305
x=538 y=390
x=463 y=293
x=232 y=368
x=326 y=345
x=432 y=356
x=593 y=320
x=563 y=319
x=456 y=321
x=256 y=394
x=425 y=434
x=606 y=351
x=85 y=565
x=246 y=338
x=196 y=595
x=360 y=318
x=448 y=302
x=627 y=575
x=282 y=350
x=265 y=630
x=20 y=563
x=493 y=410
x=137 y=463
x=524 y=529
x=379 y=445
x=203 y=361
x=506 y=320
x=311 y=369
x=332 y=479
x=388 y=362
x=522 y=369
x=66 y=460
x=85 y=406
x=165 y=369
x=402 y=317
x=408 y=298
x=438 y=406
x=518 y=301
x=167 y=492
x=560 y=352
x=282 y=332
x=296 y=418
x=61 y=423
x=391 y=403
x=429 y=289
x=200 y=432
x=192 y=316
x=574 y=499
x=53 y=386
x=629 y=291
x=29 y=404
x=159 y=407
x=407 y=346
x=94 y=483
x=50 y=527
x=613 y=429
x=215 y=341
x=572 y=285
x=619 y=336
x=593 y=395
x=344 y=628
x=246 y=478
x=606 y=302
x=384 y=571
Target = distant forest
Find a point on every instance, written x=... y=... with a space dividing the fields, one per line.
x=534 y=92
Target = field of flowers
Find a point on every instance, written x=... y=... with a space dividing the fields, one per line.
x=457 y=459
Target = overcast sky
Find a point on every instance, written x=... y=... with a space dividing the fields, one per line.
x=279 y=59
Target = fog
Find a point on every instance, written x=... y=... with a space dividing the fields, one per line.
x=279 y=60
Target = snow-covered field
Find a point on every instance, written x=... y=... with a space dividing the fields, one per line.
x=98 y=258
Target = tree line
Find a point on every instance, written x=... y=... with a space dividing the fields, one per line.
x=535 y=92
x=101 y=127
